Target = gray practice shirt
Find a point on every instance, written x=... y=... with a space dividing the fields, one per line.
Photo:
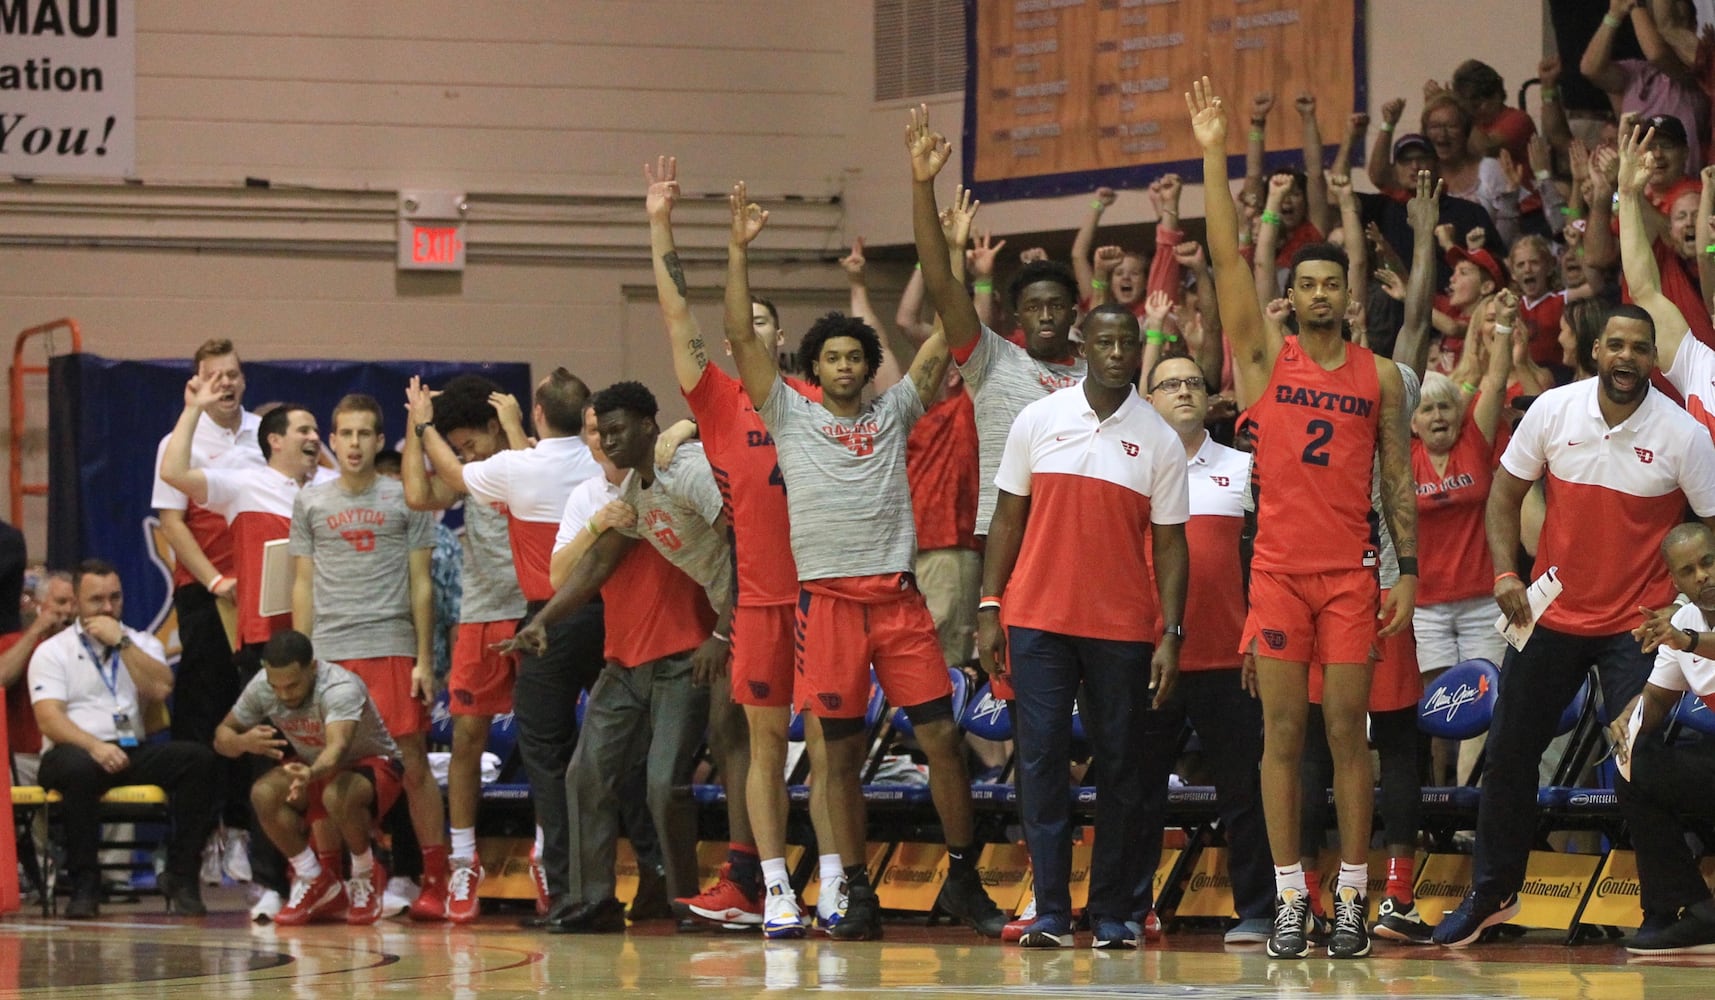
x=491 y=591
x=846 y=491
x=338 y=695
x=1003 y=380
x=676 y=514
x=361 y=545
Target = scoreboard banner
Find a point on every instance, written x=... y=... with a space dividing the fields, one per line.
x=1062 y=96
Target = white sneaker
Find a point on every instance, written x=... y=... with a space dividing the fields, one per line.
x=235 y=855
x=400 y=894
x=830 y=906
x=781 y=916
x=266 y=907
x=210 y=873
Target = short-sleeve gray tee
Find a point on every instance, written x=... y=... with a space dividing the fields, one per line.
x=337 y=696
x=1004 y=379
x=361 y=544
x=676 y=513
x=846 y=491
x=491 y=591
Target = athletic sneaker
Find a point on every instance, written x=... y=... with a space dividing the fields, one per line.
x=1291 y=914
x=365 y=894
x=963 y=898
x=1400 y=921
x=725 y=902
x=1014 y=928
x=1692 y=934
x=831 y=908
x=862 y=919
x=782 y=918
x=235 y=855
x=1051 y=931
x=322 y=898
x=1152 y=926
x=210 y=872
x=266 y=907
x=463 y=879
x=1251 y=930
x=539 y=879
x=1476 y=913
x=397 y=898
x=431 y=903
x=1351 y=937
x=1112 y=935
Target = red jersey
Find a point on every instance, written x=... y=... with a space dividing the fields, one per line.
x=651 y=609
x=753 y=494
x=1452 y=540
x=941 y=464
x=1543 y=318
x=1314 y=454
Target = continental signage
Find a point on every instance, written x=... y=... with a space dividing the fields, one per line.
x=1615 y=901
x=1005 y=870
x=506 y=860
x=1209 y=890
x=1067 y=95
x=1554 y=888
x=1442 y=881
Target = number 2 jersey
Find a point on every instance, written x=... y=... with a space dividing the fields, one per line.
x=1316 y=443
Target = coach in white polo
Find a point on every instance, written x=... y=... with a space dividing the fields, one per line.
x=1092 y=485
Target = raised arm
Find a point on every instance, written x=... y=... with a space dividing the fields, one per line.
x=1398 y=494
x=1352 y=235
x=1165 y=273
x=1656 y=48
x=1085 y=241
x=1256 y=148
x=1706 y=236
x=176 y=468
x=1207 y=349
x=755 y=359
x=1315 y=188
x=929 y=368
x=853 y=264
x=983 y=252
x=1357 y=126
x=1423 y=212
x=1254 y=350
x=1493 y=398
x=1600 y=249
x=909 y=316
x=1554 y=125
x=1597 y=63
x=1268 y=240
x=1380 y=164
x=422 y=490
x=929 y=153
x=690 y=354
x=1636 y=255
x=448 y=469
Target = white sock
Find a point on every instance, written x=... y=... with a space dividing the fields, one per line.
x=833 y=877
x=463 y=843
x=362 y=864
x=774 y=873
x=306 y=864
x=1353 y=877
x=1290 y=877
x=538 y=842
x=830 y=868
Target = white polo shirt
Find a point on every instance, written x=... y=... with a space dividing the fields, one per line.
x=1215 y=593
x=1613 y=494
x=210 y=445
x=1681 y=671
x=61 y=669
x=530 y=487
x=1095 y=486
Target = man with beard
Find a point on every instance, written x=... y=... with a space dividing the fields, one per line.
x=1662 y=791
x=1617 y=455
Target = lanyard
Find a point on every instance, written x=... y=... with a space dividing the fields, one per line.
x=108 y=669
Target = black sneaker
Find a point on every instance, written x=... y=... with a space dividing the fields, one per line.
x=1291 y=914
x=184 y=895
x=605 y=917
x=1400 y=921
x=1351 y=937
x=1689 y=935
x=963 y=898
x=862 y=921
x=1476 y=914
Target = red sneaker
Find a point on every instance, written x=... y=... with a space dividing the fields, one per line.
x=322 y=898
x=431 y=903
x=540 y=879
x=723 y=903
x=365 y=895
x=1014 y=929
x=1152 y=927
x=463 y=906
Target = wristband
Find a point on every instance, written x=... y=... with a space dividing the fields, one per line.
x=1155 y=336
x=1173 y=338
x=218 y=577
x=988 y=602
x=419 y=428
x=1710 y=249
x=1610 y=20
x=918 y=265
x=1549 y=95
x=1570 y=212
x=1542 y=175
x=1696 y=637
x=1502 y=576
x=1407 y=565
x=1271 y=217
x=590 y=525
x=1387 y=126
x=982 y=286
x=1470 y=390
x=1503 y=329
x=1098 y=206
x=1256 y=135
x=1098 y=284
x=720 y=638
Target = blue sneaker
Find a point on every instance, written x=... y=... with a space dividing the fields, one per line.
x=1112 y=935
x=1252 y=930
x=1476 y=914
x=1051 y=931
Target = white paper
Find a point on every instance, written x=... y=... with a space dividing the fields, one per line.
x=1542 y=593
x=1623 y=756
x=274 y=597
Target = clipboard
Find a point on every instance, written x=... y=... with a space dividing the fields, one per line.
x=274 y=597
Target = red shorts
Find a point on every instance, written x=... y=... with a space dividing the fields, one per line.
x=762 y=667
x=1395 y=682
x=385 y=775
x=1313 y=617
x=389 y=681
x=849 y=624
x=481 y=680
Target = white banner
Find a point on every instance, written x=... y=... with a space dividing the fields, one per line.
x=68 y=88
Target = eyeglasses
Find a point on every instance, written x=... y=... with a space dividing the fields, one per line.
x=1173 y=384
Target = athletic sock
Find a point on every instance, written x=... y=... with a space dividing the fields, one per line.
x=745 y=869
x=1290 y=877
x=362 y=865
x=961 y=860
x=1313 y=886
x=307 y=866
x=434 y=863
x=1399 y=878
x=1354 y=877
x=773 y=873
x=463 y=842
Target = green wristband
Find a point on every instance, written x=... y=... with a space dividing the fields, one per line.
x=986 y=287
x=1155 y=336
x=1256 y=136
x=1469 y=388
x=1097 y=205
x=1098 y=284
x=1271 y=217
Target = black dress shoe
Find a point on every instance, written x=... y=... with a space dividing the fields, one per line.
x=184 y=895
x=651 y=902
x=605 y=917
x=85 y=904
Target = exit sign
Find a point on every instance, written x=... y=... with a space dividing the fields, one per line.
x=431 y=230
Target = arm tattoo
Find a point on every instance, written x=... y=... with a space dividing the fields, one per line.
x=698 y=353
x=927 y=378
x=1399 y=490
x=670 y=260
